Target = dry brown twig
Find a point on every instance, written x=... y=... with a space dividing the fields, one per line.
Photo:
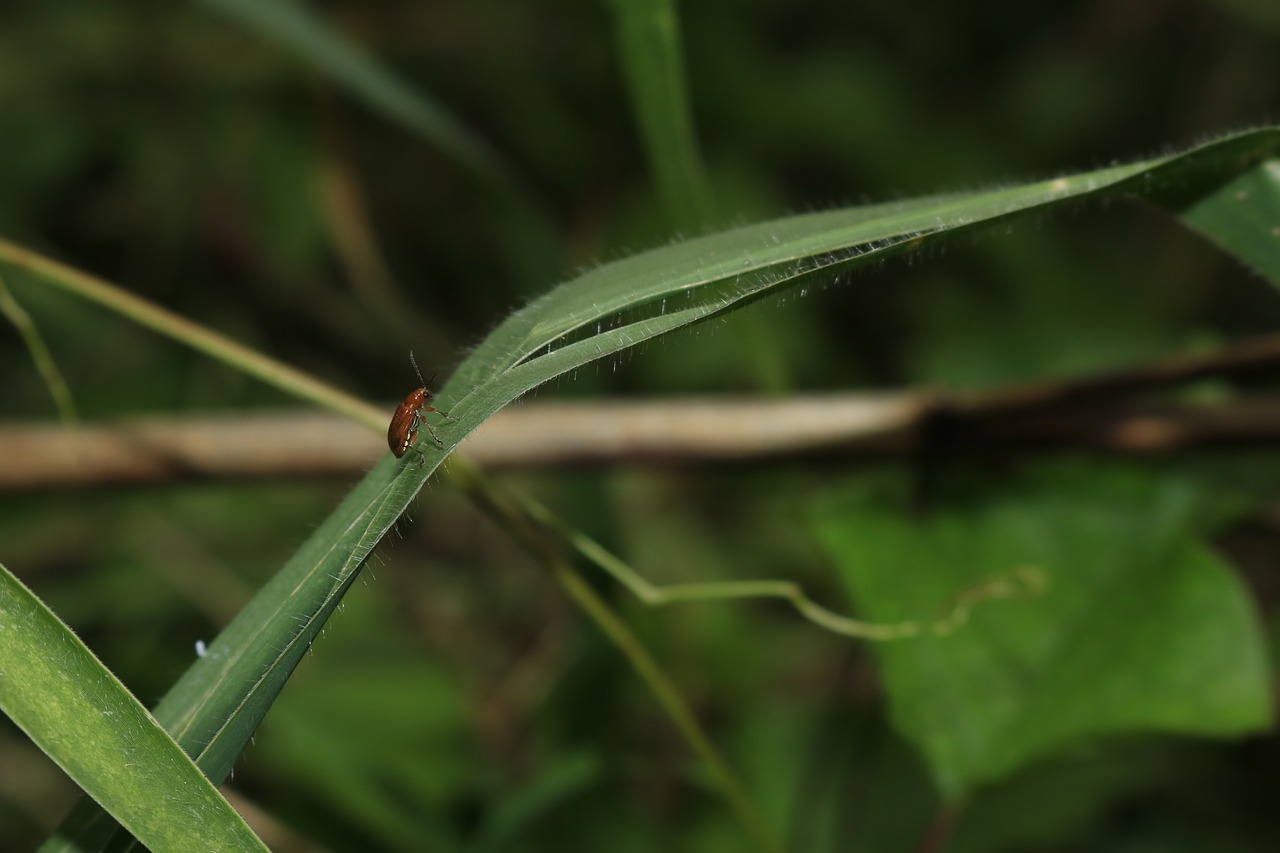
x=1102 y=412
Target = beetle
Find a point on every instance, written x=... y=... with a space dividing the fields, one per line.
x=411 y=414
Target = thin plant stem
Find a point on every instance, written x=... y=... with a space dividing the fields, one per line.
x=546 y=544
x=664 y=690
x=220 y=347
x=1021 y=582
x=40 y=355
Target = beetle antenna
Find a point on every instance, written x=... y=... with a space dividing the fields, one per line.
x=414 y=362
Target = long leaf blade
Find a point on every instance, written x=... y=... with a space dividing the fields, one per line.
x=80 y=714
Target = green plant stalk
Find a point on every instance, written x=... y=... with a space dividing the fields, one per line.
x=543 y=541
x=194 y=335
x=647 y=36
x=40 y=355
x=669 y=697
x=1020 y=583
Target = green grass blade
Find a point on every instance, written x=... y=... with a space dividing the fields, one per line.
x=249 y=662
x=524 y=228
x=533 y=531
x=296 y=27
x=677 y=710
x=1242 y=215
x=648 y=46
x=623 y=303
x=40 y=356
x=213 y=710
x=563 y=779
x=75 y=710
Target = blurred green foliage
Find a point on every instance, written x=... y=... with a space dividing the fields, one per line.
x=458 y=702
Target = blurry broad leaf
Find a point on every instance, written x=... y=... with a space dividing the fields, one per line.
x=1140 y=627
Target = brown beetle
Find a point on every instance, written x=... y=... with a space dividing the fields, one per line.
x=409 y=415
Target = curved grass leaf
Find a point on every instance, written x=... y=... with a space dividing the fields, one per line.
x=80 y=714
x=217 y=704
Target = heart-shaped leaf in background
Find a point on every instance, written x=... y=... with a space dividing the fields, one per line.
x=1140 y=626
